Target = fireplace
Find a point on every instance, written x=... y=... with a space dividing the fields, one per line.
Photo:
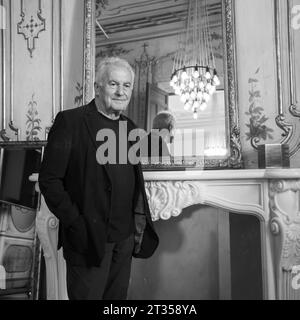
x=271 y=196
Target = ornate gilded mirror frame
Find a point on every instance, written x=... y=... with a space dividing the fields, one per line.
x=234 y=160
x=235 y=157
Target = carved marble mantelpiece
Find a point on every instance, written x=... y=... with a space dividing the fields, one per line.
x=271 y=195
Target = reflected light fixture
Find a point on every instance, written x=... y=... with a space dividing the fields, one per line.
x=194 y=75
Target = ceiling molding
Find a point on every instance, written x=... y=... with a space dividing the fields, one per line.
x=133 y=20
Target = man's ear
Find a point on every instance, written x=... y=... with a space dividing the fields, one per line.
x=96 y=87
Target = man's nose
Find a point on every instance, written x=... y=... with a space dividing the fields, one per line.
x=120 y=90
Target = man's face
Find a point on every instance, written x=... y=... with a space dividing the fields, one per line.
x=115 y=89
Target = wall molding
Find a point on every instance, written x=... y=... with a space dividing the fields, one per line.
x=287 y=95
x=31 y=27
x=3 y=81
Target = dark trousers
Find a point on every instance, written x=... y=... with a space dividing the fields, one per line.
x=110 y=281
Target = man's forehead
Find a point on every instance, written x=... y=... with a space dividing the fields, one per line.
x=115 y=72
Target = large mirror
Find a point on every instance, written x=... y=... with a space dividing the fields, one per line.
x=148 y=35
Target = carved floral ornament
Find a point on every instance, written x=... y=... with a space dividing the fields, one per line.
x=285 y=225
x=167 y=199
x=46 y=222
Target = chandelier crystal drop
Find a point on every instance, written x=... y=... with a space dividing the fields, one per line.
x=194 y=75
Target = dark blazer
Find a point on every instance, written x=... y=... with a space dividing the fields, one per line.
x=78 y=190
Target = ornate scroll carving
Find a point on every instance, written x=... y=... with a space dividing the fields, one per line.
x=168 y=198
x=285 y=226
x=47 y=229
x=3 y=135
x=286 y=127
x=15 y=130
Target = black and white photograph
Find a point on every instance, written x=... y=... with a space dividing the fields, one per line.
x=149 y=152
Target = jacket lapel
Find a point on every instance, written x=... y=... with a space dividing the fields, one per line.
x=92 y=122
x=93 y=126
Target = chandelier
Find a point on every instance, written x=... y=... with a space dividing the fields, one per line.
x=194 y=75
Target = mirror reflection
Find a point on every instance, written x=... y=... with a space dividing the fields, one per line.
x=154 y=36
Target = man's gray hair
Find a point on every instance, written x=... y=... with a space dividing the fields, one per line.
x=164 y=120
x=105 y=63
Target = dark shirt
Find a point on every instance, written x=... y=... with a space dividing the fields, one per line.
x=154 y=149
x=120 y=222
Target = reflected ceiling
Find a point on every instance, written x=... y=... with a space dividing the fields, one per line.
x=134 y=19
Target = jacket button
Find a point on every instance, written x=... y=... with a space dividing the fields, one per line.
x=108 y=189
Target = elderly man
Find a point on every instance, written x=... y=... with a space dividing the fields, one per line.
x=102 y=208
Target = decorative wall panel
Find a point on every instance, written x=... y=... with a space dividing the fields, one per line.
x=268 y=76
x=288 y=75
x=41 y=63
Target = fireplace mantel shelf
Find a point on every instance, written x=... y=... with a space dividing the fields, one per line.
x=223 y=174
x=272 y=195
